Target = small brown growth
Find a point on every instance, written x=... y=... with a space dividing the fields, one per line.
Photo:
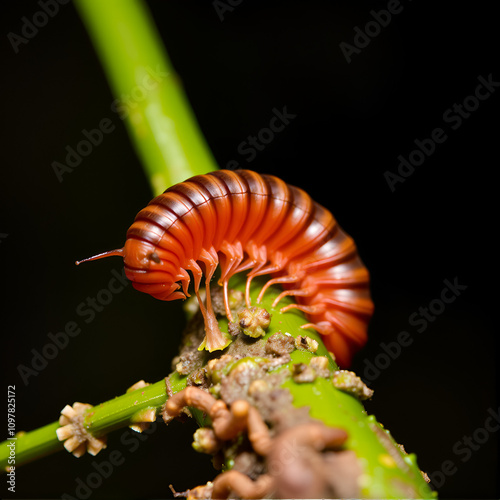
x=427 y=479
x=168 y=386
x=236 y=300
x=198 y=378
x=76 y=438
x=321 y=365
x=241 y=485
x=138 y=385
x=297 y=464
x=237 y=381
x=187 y=362
x=307 y=343
x=244 y=346
x=233 y=329
x=280 y=344
x=215 y=366
x=259 y=385
x=302 y=373
x=349 y=382
x=205 y=441
x=227 y=423
x=254 y=321
x=199 y=492
x=142 y=419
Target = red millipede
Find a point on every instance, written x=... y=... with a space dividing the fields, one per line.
x=243 y=221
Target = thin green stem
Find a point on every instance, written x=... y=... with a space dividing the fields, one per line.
x=121 y=411
x=99 y=420
x=149 y=94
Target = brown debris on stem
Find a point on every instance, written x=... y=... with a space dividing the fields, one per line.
x=76 y=438
x=242 y=485
x=254 y=321
x=349 y=382
x=297 y=461
x=142 y=419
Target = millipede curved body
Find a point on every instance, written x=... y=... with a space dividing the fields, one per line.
x=244 y=221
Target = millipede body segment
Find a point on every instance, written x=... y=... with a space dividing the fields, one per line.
x=244 y=221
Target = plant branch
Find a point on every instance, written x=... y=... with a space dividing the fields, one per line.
x=171 y=148
x=385 y=467
x=149 y=94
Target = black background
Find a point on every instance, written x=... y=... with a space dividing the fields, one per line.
x=353 y=120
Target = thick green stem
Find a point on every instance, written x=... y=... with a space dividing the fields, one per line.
x=149 y=94
x=387 y=471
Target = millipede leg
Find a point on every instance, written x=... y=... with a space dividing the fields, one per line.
x=299 y=292
x=315 y=309
x=323 y=327
x=247 y=290
x=214 y=338
x=276 y=281
x=226 y=300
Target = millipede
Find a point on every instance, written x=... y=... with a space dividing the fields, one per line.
x=244 y=221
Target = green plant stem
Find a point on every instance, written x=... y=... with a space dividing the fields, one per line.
x=120 y=411
x=99 y=420
x=383 y=476
x=148 y=92
x=171 y=147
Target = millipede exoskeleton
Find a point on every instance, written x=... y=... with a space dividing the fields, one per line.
x=244 y=221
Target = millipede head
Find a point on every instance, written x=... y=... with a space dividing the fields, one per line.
x=150 y=269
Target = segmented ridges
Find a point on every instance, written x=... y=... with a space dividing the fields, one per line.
x=282 y=232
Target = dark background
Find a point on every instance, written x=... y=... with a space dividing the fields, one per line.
x=353 y=120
